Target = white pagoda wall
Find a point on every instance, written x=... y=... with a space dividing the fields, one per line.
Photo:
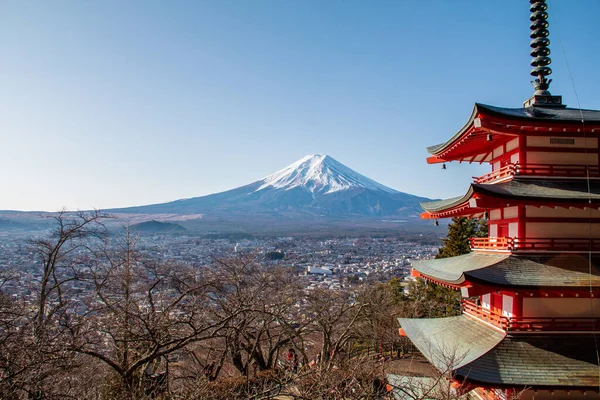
x=556 y=158
x=513 y=144
x=547 y=212
x=578 y=143
x=557 y=229
x=562 y=230
x=562 y=158
x=506 y=213
x=560 y=307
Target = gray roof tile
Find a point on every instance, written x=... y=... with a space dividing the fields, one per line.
x=529 y=361
x=513 y=270
x=449 y=343
x=543 y=113
x=526 y=189
x=484 y=355
x=531 y=114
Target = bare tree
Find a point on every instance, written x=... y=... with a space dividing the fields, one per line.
x=334 y=316
x=361 y=379
x=34 y=361
x=270 y=320
x=62 y=253
x=142 y=313
x=15 y=362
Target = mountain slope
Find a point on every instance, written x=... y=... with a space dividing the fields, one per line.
x=154 y=226
x=315 y=186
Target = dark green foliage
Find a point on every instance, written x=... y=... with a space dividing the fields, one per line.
x=396 y=291
x=459 y=232
x=275 y=255
x=423 y=299
x=432 y=301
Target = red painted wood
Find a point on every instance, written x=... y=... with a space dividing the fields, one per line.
x=538 y=244
x=512 y=170
x=579 y=150
x=518 y=324
x=521 y=215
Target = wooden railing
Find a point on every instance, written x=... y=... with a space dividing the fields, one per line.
x=563 y=171
x=537 y=324
x=504 y=172
x=534 y=244
x=492 y=243
x=571 y=171
x=484 y=314
x=561 y=324
x=556 y=244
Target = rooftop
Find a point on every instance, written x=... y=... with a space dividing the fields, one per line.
x=531 y=191
x=522 y=115
x=483 y=355
x=515 y=271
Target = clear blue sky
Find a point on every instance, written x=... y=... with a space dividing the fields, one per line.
x=118 y=103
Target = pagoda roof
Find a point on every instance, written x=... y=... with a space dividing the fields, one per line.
x=558 y=114
x=440 y=205
x=453 y=342
x=483 y=355
x=558 y=190
x=514 y=271
x=452 y=270
x=557 y=362
x=531 y=114
x=544 y=191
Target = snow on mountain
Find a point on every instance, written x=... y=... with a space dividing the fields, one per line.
x=321 y=174
x=316 y=186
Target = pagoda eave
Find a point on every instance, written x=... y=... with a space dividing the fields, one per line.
x=473 y=287
x=436 y=160
x=462 y=211
x=477 y=271
x=457 y=285
x=488 y=127
x=484 y=202
x=536 y=362
x=471 y=383
x=474 y=145
x=480 y=354
x=516 y=192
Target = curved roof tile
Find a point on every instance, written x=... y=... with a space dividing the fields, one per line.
x=516 y=271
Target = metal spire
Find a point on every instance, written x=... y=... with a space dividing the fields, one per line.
x=540 y=43
x=540 y=61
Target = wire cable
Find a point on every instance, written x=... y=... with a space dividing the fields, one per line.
x=587 y=171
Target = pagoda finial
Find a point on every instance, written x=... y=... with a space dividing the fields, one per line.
x=541 y=61
x=540 y=43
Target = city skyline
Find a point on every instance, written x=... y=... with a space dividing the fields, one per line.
x=119 y=104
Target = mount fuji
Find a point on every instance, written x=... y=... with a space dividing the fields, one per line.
x=316 y=186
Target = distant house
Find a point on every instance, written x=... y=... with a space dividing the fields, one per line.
x=319 y=271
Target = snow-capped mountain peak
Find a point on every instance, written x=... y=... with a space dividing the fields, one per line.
x=316 y=186
x=320 y=173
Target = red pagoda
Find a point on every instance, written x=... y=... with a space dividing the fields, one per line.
x=531 y=289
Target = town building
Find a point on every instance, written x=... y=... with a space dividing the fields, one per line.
x=531 y=289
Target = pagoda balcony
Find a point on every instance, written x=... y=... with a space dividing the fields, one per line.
x=484 y=314
x=492 y=243
x=539 y=170
x=531 y=324
x=515 y=245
